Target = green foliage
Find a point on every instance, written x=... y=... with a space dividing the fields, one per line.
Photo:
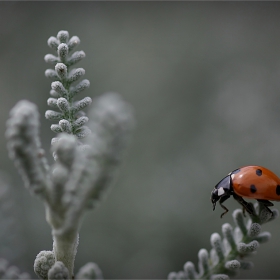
x=71 y=117
x=228 y=254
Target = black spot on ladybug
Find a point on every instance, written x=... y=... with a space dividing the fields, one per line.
x=253 y=188
x=278 y=190
x=235 y=171
x=259 y=172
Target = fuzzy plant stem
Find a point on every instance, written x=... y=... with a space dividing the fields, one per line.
x=65 y=249
x=86 y=157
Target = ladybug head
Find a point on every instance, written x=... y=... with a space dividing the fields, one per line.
x=222 y=189
x=214 y=197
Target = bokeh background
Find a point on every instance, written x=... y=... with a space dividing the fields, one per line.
x=204 y=80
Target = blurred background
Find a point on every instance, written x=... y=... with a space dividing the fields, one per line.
x=204 y=80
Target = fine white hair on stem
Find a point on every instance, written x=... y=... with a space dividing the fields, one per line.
x=25 y=148
x=111 y=122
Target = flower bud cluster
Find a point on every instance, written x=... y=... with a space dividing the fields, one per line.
x=43 y=263
x=58 y=272
x=228 y=252
x=69 y=113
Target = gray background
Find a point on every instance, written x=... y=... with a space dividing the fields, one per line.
x=203 y=78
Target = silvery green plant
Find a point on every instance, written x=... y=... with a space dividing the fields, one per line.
x=70 y=113
x=85 y=157
x=228 y=252
x=8 y=271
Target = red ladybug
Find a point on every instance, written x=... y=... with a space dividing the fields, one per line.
x=255 y=182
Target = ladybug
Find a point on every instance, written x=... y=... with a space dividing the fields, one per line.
x=254 y=182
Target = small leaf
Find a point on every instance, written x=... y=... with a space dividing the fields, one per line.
x=59 y=88
x=254 y=230
x=52 y=102
x=53 y=42
x=62 y=52
x=232 y=265
x=216 y=243
x=80 y=122
x=61 y=71
x=65 y=126
x=84 y=84
x=73 y=42
x=56 y=128
x=51 y=74
x=75 y=74
x=190 y=270
x=80 y=105
x=83 y=132
x=50 y=58
x=228 y=234
x=263 y=237
x=203 y=263
x=239 y=220
x=54 y=93
x=52 y=115
x=76 y=57
x=63 y=105
x=247 y=248
x=63 y=36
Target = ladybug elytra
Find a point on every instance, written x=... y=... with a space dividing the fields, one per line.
x=253 y=182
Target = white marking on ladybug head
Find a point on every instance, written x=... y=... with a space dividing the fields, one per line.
x=221 y=191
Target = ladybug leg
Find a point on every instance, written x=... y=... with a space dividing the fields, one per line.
x=266 y=203
x=222 y=199
x=244 y=211
x=247 y=206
